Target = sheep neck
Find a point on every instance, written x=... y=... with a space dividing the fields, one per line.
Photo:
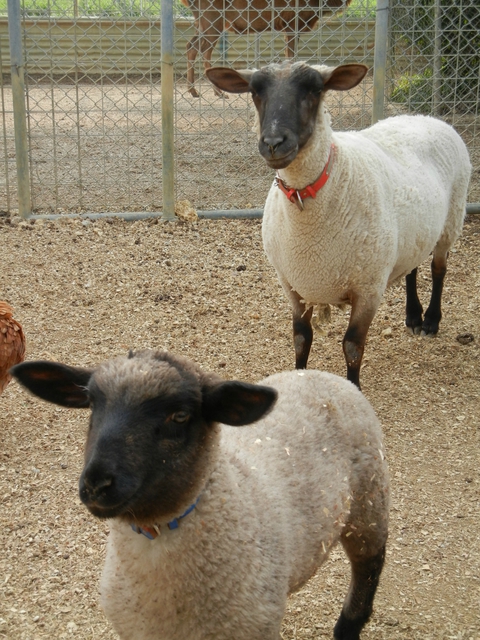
x=297 y=196
x=154 y=531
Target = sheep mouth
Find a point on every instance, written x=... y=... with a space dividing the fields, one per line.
x=109 y=507
x=276 y=162
x=107 y=511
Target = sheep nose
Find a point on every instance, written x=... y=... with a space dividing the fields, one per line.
x=273 y=142
x=93 y=487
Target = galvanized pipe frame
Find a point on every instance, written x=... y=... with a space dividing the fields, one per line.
x=168 y=168
x=226 y=214
x=19 y=109
x=380 y=61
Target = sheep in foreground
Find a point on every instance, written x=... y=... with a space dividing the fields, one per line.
x=351 y=212
x=238 y=518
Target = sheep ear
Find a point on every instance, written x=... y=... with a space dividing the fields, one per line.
x=55 y=382
x=230 y=80
x=237 y=403
x=344 y=77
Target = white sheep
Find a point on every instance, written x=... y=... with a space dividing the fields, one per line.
x=234 y=519
x=385 y=198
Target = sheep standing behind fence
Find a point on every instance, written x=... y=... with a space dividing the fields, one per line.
x=237 y=517
x=213 y=17
x=351 y=212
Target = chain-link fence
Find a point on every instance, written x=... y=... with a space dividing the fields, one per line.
x=434 y=67
x=94 y=99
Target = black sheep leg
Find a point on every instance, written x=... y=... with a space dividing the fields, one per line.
x=302 y=337
x=414 y=310
x=359 y=603
x=433 y=314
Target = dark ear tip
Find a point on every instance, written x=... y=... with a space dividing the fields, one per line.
x=34 y=368
x=269 y=397
x=17 y=370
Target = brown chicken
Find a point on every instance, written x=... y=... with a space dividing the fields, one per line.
x=12 y=343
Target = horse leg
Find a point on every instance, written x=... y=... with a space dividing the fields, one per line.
x=192 y=51
x=207 y=46
x=290 y=44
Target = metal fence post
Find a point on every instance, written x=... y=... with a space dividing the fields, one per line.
x=19 y=110
x=437 y=59
x=168 y=170
x=380 y=60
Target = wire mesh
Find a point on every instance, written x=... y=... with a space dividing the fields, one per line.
x=94 y=98
x=435 y=67
x=214 y=132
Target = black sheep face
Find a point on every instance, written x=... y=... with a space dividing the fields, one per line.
x=153 y=429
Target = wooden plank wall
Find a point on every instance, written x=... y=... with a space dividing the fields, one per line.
x=110 y=47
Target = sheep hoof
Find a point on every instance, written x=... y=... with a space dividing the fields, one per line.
x=413 y=331
x=430 y=326
x=346 y=629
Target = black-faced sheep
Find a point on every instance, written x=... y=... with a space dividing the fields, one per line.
x=234 y=519
x=351 y=212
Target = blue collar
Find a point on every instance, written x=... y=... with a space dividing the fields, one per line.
x=154 y=531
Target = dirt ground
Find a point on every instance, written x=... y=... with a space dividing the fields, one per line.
x=85 y=291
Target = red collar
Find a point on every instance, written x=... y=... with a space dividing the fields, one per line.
x=297 y=196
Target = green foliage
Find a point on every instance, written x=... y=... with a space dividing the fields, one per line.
x=361 y=9
x=415 y=92
x=458 y=50
x=461 y=55
x=95 y=8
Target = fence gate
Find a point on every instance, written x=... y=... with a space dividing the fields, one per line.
x=94 y=100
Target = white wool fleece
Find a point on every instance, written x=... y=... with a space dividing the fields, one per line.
x=396 y=191
x=276 y=501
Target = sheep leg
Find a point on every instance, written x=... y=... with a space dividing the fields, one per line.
x=414 y=309
x=433 y=314
x=358 y=604
x=355 y=337
x=302 y=335
x=302 y=325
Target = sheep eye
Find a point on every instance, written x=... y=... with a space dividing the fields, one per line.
x=180 y=416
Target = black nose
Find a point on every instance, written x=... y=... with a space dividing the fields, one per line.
x=94 y=486
x=273 y=142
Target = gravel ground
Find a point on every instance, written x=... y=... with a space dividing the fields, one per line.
x=85 y=291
